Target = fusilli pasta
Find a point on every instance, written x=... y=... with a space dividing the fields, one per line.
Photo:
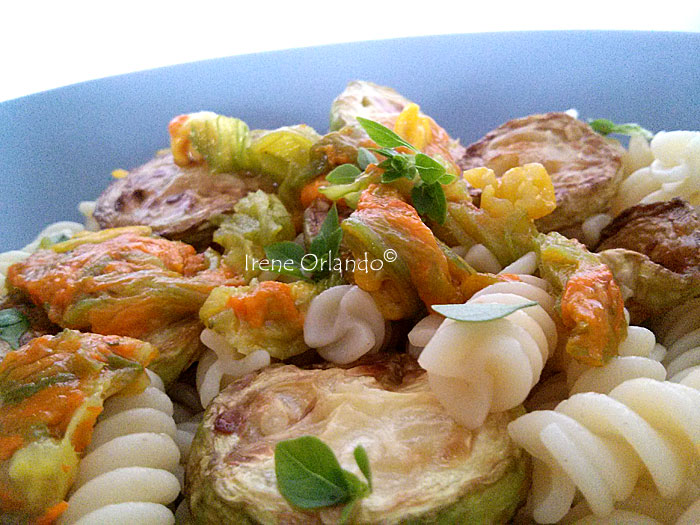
x=343 y=323
x=642 y=507
x=639 y=356
x=222 y=363
x=477 y=368
x=128 y=473
x=680 y=332
x=675 y=172
x=602 y=444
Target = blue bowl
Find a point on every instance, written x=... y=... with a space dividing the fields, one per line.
x=59 y=147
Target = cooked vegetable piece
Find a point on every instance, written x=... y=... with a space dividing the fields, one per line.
x=425 y=468
x=386 y=106
x=591 y=303
x=330 y=151
x=649 y=288
x=176 y=202
x=528 y=188
x=227 y=145
x=503 y=222
x=260 y=219
x=51 y=392
x=125 y=282
x=385 y=227
x=261 y=316
x=585 y=168
x=667 y=232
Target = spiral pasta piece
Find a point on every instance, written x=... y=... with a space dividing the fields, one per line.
x=674 y=172
x=638 y=356
x=128 y=473
x=601 y=445
x=343 y=323
x=680 y=332
x=642 y=507
x=478 y=368
x=222 y=363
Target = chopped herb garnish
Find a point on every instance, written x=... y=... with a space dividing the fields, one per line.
x=383 y=136
x=309 y=475
x=479 y=312
x=343 y=174
x=13 y=324
x=605 y=127
x=289 y=258
x=365 y=157
x=428 y=174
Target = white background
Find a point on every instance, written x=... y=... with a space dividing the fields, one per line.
x=46 y=45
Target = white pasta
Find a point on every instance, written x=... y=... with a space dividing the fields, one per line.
x=638 y=155
x=602 y=444
x=221 y=364
x=637 y=358
x=422 y=333
x=87 y=209
x=128 y=473
x=680 y=333
x=343 y=323
x=643 y=506
x=481 y=259
x=478 y=368
x=674 y=172
x=525 y=265
x=592 y=227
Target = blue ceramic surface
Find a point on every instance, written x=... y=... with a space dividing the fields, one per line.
x=59 y=147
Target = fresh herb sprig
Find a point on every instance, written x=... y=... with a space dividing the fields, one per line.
x=13 y=324
x=479 y=312
x=605 y=127
x=289 y=258
x=427 y=173
x=309 y=475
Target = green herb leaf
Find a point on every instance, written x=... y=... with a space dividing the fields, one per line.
x=385 y=152
x=13 y=324
x=357 y=488
x=347 y=512
x=364 y=158
x=362 y=461
x=430 y=170
x=429 y=200
x=285 y=257
x=605 y=127
x=327 y=242
x=308 y=473
x=447 y=178
x=391 y=175
x=479 y=312
x=343 y=174
x=383 y=136
x=420 y=199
